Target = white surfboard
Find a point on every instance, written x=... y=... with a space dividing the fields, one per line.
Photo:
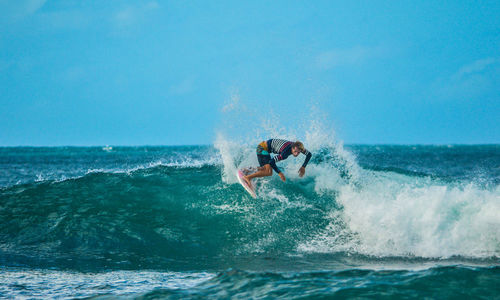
x=249 y=188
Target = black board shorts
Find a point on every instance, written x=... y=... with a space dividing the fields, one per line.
x=263 y=156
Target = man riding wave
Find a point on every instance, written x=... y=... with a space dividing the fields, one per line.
x=283 y=149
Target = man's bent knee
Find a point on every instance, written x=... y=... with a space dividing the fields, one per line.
x=268 y=169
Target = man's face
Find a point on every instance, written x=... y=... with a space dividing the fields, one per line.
x=295 y=151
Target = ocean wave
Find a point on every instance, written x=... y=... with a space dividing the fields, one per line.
x=57 y=176
x=190 y=214
x=381 y=212
x=440 y=282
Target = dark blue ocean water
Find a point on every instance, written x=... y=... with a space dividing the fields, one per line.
x=172 y=222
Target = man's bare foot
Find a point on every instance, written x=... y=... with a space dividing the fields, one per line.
x=247 y=180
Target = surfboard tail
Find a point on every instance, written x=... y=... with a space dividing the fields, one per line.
x=249 y=188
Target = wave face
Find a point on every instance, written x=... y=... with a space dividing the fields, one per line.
x=179 y=208
x=436 y=282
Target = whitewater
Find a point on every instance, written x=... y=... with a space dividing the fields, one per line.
x=172 y=222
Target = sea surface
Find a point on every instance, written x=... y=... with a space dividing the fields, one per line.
x=172 y=222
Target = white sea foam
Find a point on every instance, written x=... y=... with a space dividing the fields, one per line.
x=229 y=152
x=388 y=214
x=397 y=215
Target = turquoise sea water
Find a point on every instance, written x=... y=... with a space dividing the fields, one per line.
x=172 y=222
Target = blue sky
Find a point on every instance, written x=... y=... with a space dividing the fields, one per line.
x=161 y=72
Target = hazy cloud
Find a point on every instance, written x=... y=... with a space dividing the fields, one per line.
x=337 y=57
x=473 y=79
x=129 y=15
x=73 y=74
x=183 y=87
x=67 y=20
x=4 y=65
x=475 y=67
x=16 y=9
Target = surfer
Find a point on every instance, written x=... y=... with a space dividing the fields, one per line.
x=283 y=149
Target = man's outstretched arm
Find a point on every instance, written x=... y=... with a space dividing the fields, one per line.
x=308 y=157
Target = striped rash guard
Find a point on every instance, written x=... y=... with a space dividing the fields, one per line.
x=283 y=148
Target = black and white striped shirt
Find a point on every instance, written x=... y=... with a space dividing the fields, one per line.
x=283 y=148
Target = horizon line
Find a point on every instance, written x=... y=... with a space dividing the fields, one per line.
x=207 y=145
